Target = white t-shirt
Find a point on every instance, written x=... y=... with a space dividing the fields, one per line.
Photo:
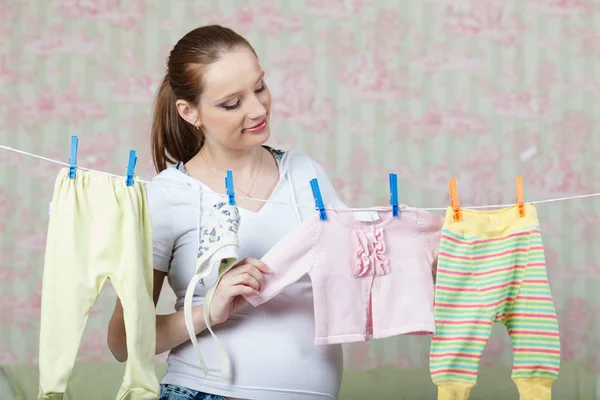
x=271 y=347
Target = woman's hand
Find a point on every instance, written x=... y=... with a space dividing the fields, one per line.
x=244 y=279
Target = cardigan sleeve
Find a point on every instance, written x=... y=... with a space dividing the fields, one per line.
x=289 y=260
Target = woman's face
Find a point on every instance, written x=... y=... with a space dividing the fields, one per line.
x=234 y=107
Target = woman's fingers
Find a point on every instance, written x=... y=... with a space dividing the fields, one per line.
x=249 y=266
x=261 y=266
x=241 y=290
x=246 y=279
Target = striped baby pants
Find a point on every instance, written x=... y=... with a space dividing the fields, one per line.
x=491 y=268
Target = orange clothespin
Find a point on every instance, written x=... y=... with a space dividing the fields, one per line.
x=520 y=198
x=454 y=201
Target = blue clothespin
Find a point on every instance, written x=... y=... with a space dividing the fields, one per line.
x=394 y=194
x=230 y=189
x=73 y=157
x=314 y=185
x=131 y=167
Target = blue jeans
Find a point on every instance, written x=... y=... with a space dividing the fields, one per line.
x=172 y=392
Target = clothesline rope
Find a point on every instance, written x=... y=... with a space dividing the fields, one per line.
x=582 y=196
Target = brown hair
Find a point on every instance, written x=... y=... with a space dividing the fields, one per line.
x=174 y=139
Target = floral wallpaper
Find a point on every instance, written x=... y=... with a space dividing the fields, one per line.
x=480 y=90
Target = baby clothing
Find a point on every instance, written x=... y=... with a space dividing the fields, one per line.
x=281 y=340
x=99 y=229
x=219 y=241
x=492 y=269
x=218 y=248
x=368 y=277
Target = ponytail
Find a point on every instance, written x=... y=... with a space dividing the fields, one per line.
x=173 y=139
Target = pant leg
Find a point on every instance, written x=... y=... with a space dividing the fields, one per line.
x=532 y=325
x=70 y=284
x=133 y=282
x=463 y=324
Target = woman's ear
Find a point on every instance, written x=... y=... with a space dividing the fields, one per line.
x=188 y=113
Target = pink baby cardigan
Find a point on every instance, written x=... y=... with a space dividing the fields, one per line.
x=368 y=278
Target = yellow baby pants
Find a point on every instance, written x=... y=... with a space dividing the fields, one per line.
x=99 y=229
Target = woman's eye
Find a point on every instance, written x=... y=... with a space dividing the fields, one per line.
x=231 y=106
x=237 y=103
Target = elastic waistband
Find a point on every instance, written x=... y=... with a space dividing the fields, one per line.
x=85 y=178
x=491 y=223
